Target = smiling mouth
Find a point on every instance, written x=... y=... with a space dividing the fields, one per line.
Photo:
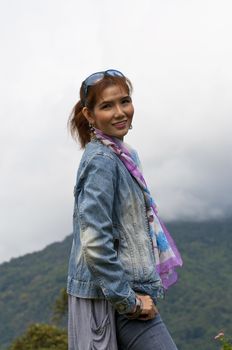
x=122 y=122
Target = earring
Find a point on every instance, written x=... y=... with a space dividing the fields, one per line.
x=131 y=127
x=91 y=127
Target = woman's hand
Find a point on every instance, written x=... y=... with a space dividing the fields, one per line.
x=149 y=310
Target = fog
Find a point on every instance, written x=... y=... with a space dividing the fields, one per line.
x=178 y=56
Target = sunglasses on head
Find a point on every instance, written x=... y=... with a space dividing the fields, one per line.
x=96 y=77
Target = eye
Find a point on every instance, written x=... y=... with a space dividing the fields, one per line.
x=126 y=100
x=106 y=106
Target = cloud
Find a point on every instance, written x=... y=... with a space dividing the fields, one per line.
x=178 y=55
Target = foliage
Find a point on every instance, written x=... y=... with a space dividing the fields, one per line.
x=41 y=337
x=193 y=310
x=60 y=307
x=226 y=344
x=29 y=286
x=200 y=303
x=45 y=336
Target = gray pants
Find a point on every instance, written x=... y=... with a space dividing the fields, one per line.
x=143 y=335
x=93 y=325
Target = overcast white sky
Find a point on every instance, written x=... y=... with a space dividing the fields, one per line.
x=178 y=55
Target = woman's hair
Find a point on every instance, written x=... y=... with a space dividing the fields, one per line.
x=77 y=123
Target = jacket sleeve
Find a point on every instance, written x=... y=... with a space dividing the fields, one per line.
x=95 y=206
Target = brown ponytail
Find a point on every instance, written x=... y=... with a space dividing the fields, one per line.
x=78 y=125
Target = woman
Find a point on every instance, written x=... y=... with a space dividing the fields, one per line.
x=122 y=256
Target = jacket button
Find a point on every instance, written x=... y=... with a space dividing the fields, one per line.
x=121 y=307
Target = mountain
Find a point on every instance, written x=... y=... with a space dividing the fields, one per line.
x=195 y=309
x=200 y=305
x=29 y=286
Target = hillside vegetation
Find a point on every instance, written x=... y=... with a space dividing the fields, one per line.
x=195 y=309
x=200 y=304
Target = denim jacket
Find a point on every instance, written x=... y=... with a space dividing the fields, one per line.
x=111 y=255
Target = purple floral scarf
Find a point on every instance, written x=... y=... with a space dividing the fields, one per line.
x=166 y=254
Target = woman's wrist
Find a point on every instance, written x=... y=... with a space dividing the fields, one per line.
x=137 y=310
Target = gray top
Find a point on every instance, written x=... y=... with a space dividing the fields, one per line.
x=91 y=325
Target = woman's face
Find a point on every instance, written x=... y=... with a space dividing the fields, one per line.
x=113 y=112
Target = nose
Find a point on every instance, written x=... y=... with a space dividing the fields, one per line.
x=118 y=111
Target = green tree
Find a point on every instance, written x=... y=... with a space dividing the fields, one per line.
x=41 y=337
x=226 y=344
x=60 y=307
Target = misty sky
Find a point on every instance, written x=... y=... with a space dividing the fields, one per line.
x=178 y=55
